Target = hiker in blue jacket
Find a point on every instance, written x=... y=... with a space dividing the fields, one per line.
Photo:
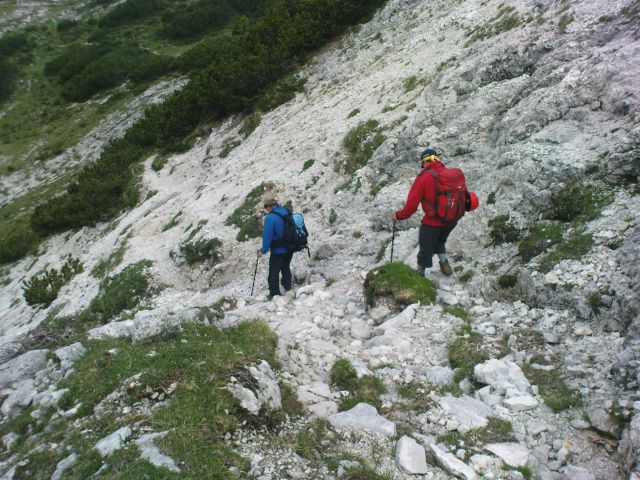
x=280 y=258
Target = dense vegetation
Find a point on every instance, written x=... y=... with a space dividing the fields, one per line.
x=239 y=70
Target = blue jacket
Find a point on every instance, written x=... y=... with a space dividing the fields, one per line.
x=273 y=230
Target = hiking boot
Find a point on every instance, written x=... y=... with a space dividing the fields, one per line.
x=445 y=268
x=420 y=270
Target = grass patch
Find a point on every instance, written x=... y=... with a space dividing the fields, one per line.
x=491 y=199
x=353 y=112
x=457 y=311
x=410 y=83
x=506 y=19
x=538 y=240
x=564 y=21
x=574 y=247
x=361 y=142
x=366 y=389
x=122 y=291
x=578 y=202
x=308 y=442
x=250 y=124
x=556 y=394
x=173 y=222
x=471 y=349
x=400 y=284
x=246 y=217
x=503 y=230
x=200 y=359
x=496 y=431
x=108 y=263
x=308 y=164
x=42 y=289
x=228 y=146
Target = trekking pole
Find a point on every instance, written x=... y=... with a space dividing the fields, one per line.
x=254 y=276
x=393 y=239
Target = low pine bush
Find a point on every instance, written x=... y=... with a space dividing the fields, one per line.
x=43 y=288
x=122 y=291
x=503 y=230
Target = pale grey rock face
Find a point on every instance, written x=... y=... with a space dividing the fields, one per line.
x=323 y=409
x=468 y=412
x=314 y=392
x=69 y=354
x=22 y=367
x=501 y=375
x=21 y=395
x=63 y=465
x=630 y=444
x=150 y=452
x=519 y=403
x=452 y=465
x=410 y=456
x=513 y=454
x=112 y=442
x=267 y=392
x=602 y=421
x=577 y=473
x=363 y=417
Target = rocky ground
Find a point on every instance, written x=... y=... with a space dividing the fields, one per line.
x=524 y=112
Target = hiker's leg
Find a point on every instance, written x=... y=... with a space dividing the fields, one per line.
x=286 y=271
x=427 y=240
x=275 y=264
x=441 y=240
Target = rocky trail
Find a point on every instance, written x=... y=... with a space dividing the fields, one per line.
x=524 y=366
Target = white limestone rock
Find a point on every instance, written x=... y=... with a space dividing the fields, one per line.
x=360 y=329
x=323 y=409
x=602 y=421
x=21 y=395
x=501 y=374
x=150 y=452
x=63 y=465
x=520 y=403
x=112 y=442
x=511 y=453
x=267 y=392
x=363 y=417
x=469 y=412
x=452 y=464
x=484 y=463
x=23 y=367
x=410 y=456
x=572 y=472
x=313 y=392
x=69 y=355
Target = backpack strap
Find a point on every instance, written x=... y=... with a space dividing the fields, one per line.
x=435 y=176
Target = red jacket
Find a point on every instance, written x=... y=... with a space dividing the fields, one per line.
x=424 y=187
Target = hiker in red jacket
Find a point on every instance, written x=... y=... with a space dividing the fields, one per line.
x=434 y=231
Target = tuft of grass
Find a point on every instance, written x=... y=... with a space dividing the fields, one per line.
x=503 y=230
x=538 y=240
x=122 y=291
x=200 y=359
x=507 y=281
x=415 y=396
x=506 y=19
x=382 y=249
x=173 y=222
x=353 y=112
x=399 y=283
x=564 y=21
x=457 y=311
x=308 y=164
x=470 y=349
x=496 y=431
x=410 y=83
x=556 y=394
x=308 y=442
x=333 y=216
x=245 y=217
x=491 y=199
x=466 y=276
x=361 y=142
x=366 y=389
x=228 y=146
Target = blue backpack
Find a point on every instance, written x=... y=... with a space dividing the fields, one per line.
x=295 y=236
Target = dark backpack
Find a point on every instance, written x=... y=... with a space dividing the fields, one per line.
x=295 y=233
x=450 y=196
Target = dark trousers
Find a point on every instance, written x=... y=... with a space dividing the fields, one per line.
x=432 y=240
x=279 y=264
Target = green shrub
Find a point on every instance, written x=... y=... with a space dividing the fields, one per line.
x=308 y=164
x=410 y=83
x=491 y=199
x=17 y=239
x=281 y=92
x=194 y=19
x=343 y=375
x=503 y=230
x=362 y=141
x=201 y=249
x=507 y=280
x=578 y=201
x=122 y=291
x=333 y=216
x=42 y=289
x=129 y=12
x=538 y=240
x=251 y=123
x=398 y=283
x=245 y=217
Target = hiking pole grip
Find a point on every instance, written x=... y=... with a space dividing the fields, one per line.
x=254 y=276
x=393 y=239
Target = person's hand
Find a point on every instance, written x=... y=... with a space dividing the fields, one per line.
x=393 y=216
x=259 y=254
